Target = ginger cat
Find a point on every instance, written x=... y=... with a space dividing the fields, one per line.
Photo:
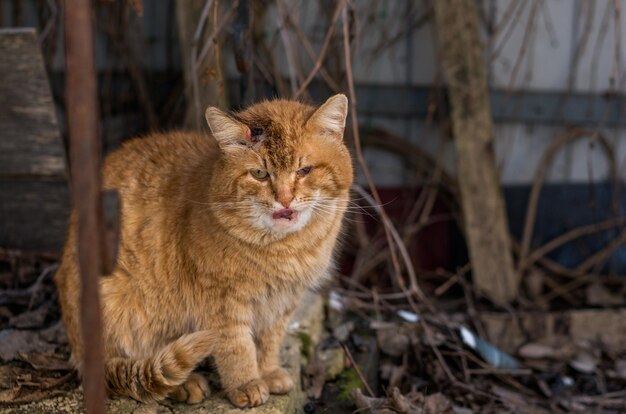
x=220 y=236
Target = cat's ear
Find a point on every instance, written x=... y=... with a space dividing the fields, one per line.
x=331 y=116
x=228 y=132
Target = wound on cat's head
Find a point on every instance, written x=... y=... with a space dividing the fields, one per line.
x=282 y=163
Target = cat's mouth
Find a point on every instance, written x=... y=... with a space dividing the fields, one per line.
x=286 y=214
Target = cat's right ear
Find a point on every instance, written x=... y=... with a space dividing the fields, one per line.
x=330 y=118
x=228 y=132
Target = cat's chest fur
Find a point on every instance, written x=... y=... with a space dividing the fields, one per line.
x=271 y=281
x=299 y=262
x=270 y=304
x=281 y=284
x=303 y=267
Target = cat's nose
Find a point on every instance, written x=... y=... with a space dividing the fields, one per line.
x=285 y=199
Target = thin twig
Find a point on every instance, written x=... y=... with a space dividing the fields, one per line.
x=289 y=52
x=397 y=239
x=194 y=52
x=308 y=48
x=322 y=55
x=572 y=235
x=525 y=42
x=54 y=12
x=357 y=145
x=565 y=138
x=617 y=56
x=358 y=370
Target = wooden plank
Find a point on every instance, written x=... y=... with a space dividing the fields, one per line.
x=487 y=231
x=34 y=194
x=30 y=142
x=33 y=214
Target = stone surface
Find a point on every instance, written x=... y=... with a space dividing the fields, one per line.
x=307 y=322
x=334 y=362
x=605 y=326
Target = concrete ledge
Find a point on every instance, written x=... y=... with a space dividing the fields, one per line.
x=304 y=332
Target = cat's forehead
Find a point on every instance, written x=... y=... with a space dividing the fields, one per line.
x=278 y=115
x=282 y=124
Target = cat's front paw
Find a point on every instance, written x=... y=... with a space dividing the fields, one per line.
x=192 y=391
x=252 y=394
x=279 y=381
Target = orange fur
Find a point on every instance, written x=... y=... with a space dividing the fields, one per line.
x=206 y=263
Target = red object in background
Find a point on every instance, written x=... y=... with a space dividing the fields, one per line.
x=431 y=247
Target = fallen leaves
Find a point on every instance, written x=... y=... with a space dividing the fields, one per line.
x=396 y=402
x=45 y=361
x=33 y=368
x=30 y=319
x=14 y=341
x=19 y=385
x=585 y=362
x=394 y=339
x=558 y=348
x=33 y=347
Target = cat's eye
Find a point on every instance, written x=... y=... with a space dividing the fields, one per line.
x=303 y=171
x=259 y=174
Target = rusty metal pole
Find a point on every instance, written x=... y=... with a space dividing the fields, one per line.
x=82 y=117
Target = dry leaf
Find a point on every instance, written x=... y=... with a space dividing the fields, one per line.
x=558 y=348
x=394 y=341
x=584 y=362
x=44 y=361
x=14 y=341
x=536 y=351
x=19 y=385
x=55 y=334
x=438 y=404
x=9 y=375
x=32 y=319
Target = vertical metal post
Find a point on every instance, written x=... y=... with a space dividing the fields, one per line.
x=82 y=116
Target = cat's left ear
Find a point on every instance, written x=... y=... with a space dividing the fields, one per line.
x=331 y=116
x=228 y=132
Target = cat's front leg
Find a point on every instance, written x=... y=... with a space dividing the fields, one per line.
x=269 y=342
x=235 y=357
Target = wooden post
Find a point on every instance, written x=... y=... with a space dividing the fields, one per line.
x=82 y=116
x=461 y=49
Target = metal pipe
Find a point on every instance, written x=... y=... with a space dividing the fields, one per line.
x=82 y=117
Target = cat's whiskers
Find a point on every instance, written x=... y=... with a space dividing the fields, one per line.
x=322 y=211
x=351 y=209
x=354 y=199
x=353 y=202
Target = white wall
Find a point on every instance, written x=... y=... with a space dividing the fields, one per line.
x=547 y=53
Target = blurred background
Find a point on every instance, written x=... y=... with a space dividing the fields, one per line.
x=554 y=74
x=550 y=65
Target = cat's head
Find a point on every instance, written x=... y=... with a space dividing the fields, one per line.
x=283 y=164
